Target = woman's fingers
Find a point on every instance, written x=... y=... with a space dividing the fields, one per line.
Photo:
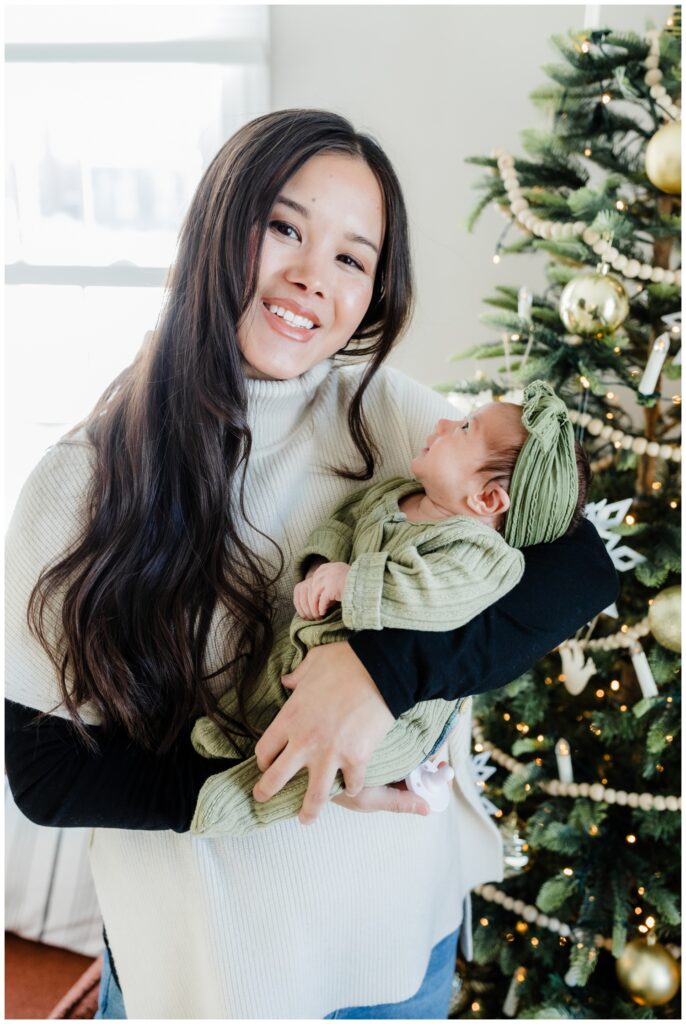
x=318 y=792
x=384 y=798
x=269 y=746
x=281 y=771
x=354 y=780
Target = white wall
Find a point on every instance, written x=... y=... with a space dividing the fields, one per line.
x=436 y=84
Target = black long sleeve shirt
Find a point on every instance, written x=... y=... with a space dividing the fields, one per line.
x=56 y=781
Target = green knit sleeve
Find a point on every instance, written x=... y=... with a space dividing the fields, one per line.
x=433 y=586
x=333 y=538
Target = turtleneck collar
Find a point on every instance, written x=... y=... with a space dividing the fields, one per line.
x=278 y=408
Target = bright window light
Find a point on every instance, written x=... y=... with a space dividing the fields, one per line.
x=112 y=116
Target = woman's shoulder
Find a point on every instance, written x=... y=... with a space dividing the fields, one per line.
x=54 y=494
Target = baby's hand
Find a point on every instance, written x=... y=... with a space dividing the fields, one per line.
x=314 y=596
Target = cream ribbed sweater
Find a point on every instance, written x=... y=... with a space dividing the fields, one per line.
x=293 y=921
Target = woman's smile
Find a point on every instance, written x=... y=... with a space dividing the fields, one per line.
x=290 y=319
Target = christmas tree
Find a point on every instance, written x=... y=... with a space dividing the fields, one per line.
x=579 y=759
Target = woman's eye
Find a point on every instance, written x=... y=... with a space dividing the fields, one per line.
x=284 y=228
x=350 y=262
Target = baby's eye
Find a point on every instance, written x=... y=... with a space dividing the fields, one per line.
x=465 y=425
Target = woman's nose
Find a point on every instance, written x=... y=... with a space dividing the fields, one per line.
x=306 y=272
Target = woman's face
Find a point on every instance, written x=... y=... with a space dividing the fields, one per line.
x=317 y=267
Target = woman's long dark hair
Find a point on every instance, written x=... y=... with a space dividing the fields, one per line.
x=163 y=546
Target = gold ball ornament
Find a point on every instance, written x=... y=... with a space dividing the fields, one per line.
x=593 y=302
x=648 y=972
x=664 y=618
x=663 y=158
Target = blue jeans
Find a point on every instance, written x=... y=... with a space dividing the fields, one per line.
x=430 y=1002
x=110 y=999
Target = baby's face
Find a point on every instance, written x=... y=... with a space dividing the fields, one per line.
x=449 y=466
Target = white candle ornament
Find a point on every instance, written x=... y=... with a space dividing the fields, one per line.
x=592 y=16
x=653 y=369
x=524 y=303
x=506 y=349
x=512 y=998
x=564 y=761
x=643 y=671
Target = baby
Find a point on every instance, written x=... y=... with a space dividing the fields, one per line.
x=428 y=552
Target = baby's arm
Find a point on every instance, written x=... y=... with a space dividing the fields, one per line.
x=323 y=586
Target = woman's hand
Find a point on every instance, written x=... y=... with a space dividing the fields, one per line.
x=395 y=797
x=334 y=719
x=322 y=587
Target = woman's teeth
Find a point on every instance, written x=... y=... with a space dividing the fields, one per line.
x=292 y=318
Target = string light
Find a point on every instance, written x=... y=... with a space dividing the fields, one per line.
x=568 y=871
x=478 y=747
x=585 y=46
x=622 y=707
x=506 y=716
x=522 y=927
x=638 y=910
x=606 y=97
x=673 y=504
x=496 y=258
x=657 y=486
x=642 y=928
x=600 y=693
x=534 y=941
x=640 y=890
x=476 y=1007
x=669 y=739
x=584 y=382
x=615 y=684
x=650 y=921
x=588 y=151
x=630 y=520
x=483 y=921
x=620 y=205
x=630 y=839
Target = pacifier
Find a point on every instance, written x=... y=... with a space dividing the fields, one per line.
x=432 y=784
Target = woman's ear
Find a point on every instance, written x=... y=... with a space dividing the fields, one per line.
x=493 y=500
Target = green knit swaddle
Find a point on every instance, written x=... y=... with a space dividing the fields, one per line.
x=226 y=805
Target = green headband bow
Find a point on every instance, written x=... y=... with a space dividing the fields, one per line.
x=545 y=482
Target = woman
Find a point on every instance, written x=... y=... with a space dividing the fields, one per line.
x=170 y=519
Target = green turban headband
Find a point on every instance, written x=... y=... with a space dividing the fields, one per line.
x=545 y=482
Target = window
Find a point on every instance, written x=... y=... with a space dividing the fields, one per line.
x=113 y=114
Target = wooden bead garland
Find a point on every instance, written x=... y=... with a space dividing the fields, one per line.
x=532 y=915
x=592 y=791
x=653 y=76
x=519 y=207
x=639 y=445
